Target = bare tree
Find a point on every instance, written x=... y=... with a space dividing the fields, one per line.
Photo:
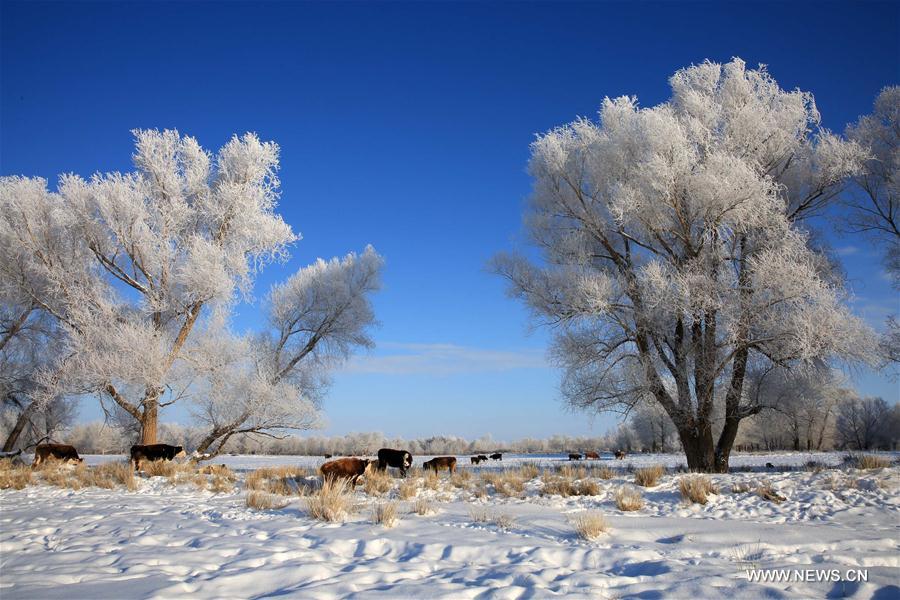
x=862 y=422
x=673 y=250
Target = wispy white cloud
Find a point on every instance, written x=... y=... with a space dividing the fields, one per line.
x=846 y=250
x=443 y=359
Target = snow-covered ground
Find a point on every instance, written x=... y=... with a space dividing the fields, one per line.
x=163 y=541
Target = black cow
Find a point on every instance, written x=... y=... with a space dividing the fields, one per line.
x=328 y=456
x=496 y=456
x=399 y=459
x=573 y=456
x=151 y=452
x=482 y=457
x=475 y=460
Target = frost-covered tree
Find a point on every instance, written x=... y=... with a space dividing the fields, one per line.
x=862 y=423
x=674 y=255
x=274 y=381
x=876 y=206
x=128 y=262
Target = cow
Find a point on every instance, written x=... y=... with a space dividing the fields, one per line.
x=496 y=456
x=345 y=468
x=482 y=457
x=475 y=460
x=620 y=454
x=573 y=456
x=592 y=455
x=64 y=452
x=399 y=459
x=441 y=462
x=151 y=452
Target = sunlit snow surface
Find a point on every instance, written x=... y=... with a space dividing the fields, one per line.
x=173 y=542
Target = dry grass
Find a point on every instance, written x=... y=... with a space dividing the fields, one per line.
x=112 y=474
x=588 y=487
x=740 y=487
x=408 y=488
x=15 y=476
x=589 y=524
x=503 y=521
x=422 y=506
x=506 y=483
x=219 y=484
x=264 y=500
x=385 y=513
x=529 y=471
x=766 y=491
x=377 y=483
x=558 y=485
x=332 y=502
x=284 y=480
x=461 y=479
x=219 y=471
x=160 y=468
x=570 y=472
x=839 y=482
x=431 y=480
x=868 y=461
x=479 y=514
x=649 y=476
x=604 y=473
x=629 y=498
x=696 y=488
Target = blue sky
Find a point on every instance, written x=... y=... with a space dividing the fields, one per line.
x=407 y=126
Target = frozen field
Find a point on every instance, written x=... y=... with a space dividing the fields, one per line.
x=165 y=541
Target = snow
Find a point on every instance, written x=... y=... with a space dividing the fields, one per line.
x=163 y=541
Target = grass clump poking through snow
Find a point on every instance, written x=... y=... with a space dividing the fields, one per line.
x=376 y=483
x=766 y=491
x=332 y=502
x=264 y=500
x=506 y=483
x=284 y=481
x=461 y=479
x=649 y=476
x=629 y=498
x=604 y=473
x=422 y=506
x=696 y=488
x=112 y=474
x=159 y=468
x=589 y=524
x=385 y=513
x=15 y=476
x=408 y=488
x=503 y=521
x=868 y=461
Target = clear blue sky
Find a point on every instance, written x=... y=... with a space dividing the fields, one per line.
x=407 y=126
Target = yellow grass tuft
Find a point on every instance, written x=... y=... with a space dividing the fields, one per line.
x=376 y=483
x=589 y=524
x=605 y=473
x=696 y=488
x=284 y=480
x=264 y=500
x=431 y=480
x=869 y=461
x=649 y=476
x=766 y=491
x=506 y=483
x=629 y=498
x=408 y=488
x=385 y=513
x=422 y=506
x=332 y=502
x=14 y=476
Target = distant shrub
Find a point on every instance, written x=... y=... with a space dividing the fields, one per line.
x=589 y=524
x=696 y=488
x=649 y=476
x=868 y=461
x=629 y=498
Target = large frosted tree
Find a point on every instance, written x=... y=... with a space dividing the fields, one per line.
x=152 y=248
x=674 y=256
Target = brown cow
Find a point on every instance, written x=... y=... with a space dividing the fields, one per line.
x=620 y=454
x=345 y=468
x=592 y=455
x=64 y=452
x=441 y=462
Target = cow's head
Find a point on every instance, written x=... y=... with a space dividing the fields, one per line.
x=179 y=452
x=407 y=460
x=74 y=461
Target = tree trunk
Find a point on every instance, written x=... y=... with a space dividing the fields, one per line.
x=698 y=448
x=726 y=441
x=149 y=422
x=24 y=418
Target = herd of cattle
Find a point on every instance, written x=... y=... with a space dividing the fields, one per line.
x=350 y=468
